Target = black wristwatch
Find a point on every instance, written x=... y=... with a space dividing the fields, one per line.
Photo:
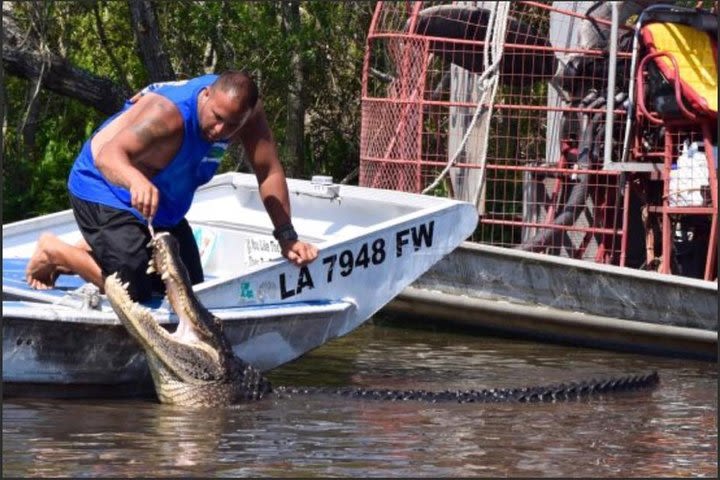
x=285 y=232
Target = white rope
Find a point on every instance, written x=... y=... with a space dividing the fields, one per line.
x=487 y=82
x=498 y=44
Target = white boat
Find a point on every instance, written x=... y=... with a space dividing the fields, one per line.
x=373 y=243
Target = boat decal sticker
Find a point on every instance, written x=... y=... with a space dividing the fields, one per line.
x=246 y=292
x=266 y=291
x=261 y=250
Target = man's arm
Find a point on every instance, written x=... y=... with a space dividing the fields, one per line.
x=139 y=145
x=256 y=137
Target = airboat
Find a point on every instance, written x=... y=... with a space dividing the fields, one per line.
x=585 y=134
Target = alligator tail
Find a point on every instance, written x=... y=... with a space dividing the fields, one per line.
x=550 y=393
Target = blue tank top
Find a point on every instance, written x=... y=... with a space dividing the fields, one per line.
x=194 y=164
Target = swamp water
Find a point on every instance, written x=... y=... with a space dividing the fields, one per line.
x=669 y=431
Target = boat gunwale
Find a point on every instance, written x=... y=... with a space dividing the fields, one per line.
x=674 y=280
x=20 y=310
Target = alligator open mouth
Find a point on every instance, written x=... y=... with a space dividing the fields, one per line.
x=194 y=365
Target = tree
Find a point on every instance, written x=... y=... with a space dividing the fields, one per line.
x=28 y=55
x=295 y=127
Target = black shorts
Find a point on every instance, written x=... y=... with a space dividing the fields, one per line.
x=119 y=243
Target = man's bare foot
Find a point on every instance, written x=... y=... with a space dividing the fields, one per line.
x=41 y=272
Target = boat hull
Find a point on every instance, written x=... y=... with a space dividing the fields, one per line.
x=60 y=352
x=558 y=299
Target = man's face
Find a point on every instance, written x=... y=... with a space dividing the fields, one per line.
x=220 y=114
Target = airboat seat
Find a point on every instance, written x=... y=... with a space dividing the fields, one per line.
x=688 y=55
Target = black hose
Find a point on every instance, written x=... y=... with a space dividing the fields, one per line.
x=575 y=203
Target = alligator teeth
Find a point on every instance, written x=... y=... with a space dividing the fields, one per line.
x=165 y=275
x=150 y=269
x=126 y=285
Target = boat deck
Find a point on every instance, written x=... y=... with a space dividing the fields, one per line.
x=66 y=286
x=14 y=276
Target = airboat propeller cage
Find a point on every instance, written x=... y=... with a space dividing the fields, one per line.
x=547 y=169
x=451 y=26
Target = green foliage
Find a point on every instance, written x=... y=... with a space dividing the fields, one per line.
x=35 y=175
x=199 y=37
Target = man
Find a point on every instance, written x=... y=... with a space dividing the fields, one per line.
x=145 y=163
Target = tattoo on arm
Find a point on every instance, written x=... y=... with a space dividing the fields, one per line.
x=154 y=127
x=150 y=130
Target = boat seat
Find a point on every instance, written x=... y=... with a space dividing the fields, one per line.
x=690 y=56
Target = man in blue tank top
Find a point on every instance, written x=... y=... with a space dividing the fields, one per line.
x=143 y=165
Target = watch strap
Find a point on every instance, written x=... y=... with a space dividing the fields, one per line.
x=285 y=232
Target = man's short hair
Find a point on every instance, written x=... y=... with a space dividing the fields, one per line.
x=240 y=84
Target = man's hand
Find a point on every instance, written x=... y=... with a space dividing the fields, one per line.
x=298 y=252
x=144 y=196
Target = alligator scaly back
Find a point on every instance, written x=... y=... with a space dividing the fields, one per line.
x=196 y=366
x=549 y=393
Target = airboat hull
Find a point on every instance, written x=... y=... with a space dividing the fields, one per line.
x=372 y=243
x=542 y=297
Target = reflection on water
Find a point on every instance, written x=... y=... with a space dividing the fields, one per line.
x=671 y=431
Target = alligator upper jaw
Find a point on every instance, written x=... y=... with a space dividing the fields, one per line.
x=180 y=356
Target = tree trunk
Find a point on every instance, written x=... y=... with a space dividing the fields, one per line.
x=150 y=46
x=26 y=60
x=295 y=127
x=29 y=123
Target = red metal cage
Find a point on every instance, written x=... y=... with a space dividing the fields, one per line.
x=556 y=119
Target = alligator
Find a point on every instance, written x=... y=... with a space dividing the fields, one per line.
x=196 y=366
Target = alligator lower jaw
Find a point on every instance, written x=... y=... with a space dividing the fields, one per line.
x=193 y=317
x=178 y=300
x=132 y=315
x=188 y=395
